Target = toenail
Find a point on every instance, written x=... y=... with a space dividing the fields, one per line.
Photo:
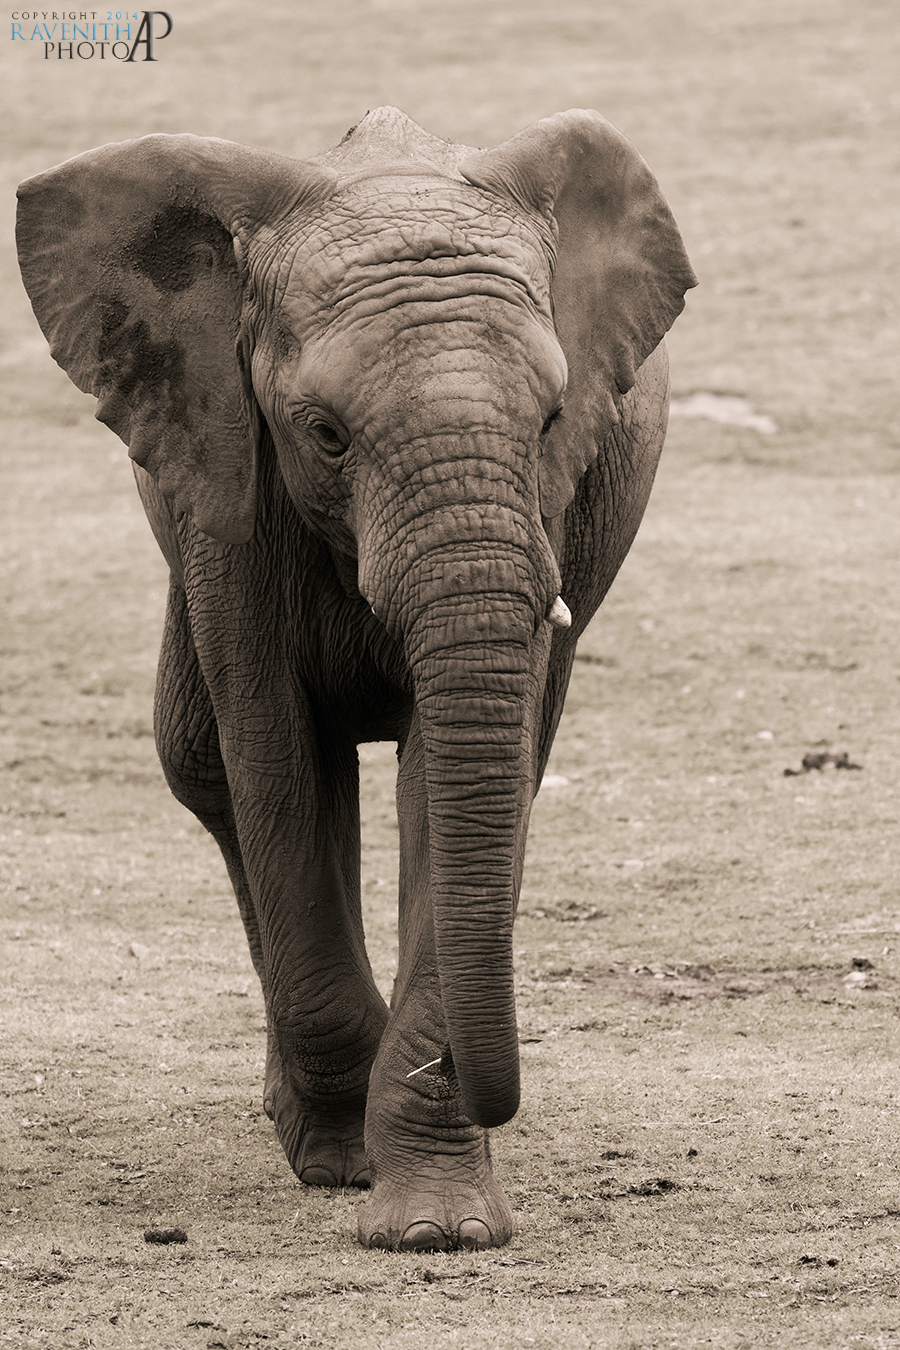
x=474 y=1235
x=423 y=1236
x=318 y=1176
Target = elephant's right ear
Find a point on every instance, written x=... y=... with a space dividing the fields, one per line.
x=128 y=257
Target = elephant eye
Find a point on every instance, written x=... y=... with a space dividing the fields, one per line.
x=331 y=440
x=327 y=436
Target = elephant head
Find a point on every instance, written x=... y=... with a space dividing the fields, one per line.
x=434 y=342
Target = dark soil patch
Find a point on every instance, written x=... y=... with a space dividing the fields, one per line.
x=668 y=984
x=822 y=759
x=165 y=1236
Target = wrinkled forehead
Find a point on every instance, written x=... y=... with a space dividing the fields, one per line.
x=373 y=231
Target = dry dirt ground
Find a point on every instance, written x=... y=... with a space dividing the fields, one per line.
x=708 y=953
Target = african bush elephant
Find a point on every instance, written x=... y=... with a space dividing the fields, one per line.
x=395 y=413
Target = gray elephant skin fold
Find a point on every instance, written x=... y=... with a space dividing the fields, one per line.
x=394 y=414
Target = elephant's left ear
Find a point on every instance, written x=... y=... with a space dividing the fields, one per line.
x=620 y=278
x=128 y=256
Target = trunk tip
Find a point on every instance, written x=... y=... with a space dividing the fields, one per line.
x=491 y=1114
x=488 y=1099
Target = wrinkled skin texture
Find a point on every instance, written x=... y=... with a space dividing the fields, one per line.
x=384 y=407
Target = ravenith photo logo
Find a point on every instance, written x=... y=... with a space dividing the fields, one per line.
x=73 y=35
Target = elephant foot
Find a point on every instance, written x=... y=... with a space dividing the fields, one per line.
x=447 y=1207
x=433 y=1187
x=324 y=1160
x=473 y=1235
x=325 y=1150
x=324 y=1147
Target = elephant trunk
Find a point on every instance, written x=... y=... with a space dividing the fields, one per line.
x=471 y=650
x=476 y=813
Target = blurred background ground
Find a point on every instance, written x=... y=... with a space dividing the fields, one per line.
x=707 y=948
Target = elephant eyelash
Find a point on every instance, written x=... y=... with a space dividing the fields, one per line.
x=554 y=416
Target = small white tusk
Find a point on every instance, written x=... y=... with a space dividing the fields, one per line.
x=430 y=1065
x=560 y=615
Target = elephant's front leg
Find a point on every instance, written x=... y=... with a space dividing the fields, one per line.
x=433 y=1187
x=285 y=815
x=187 y=741
x=325 y=1014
